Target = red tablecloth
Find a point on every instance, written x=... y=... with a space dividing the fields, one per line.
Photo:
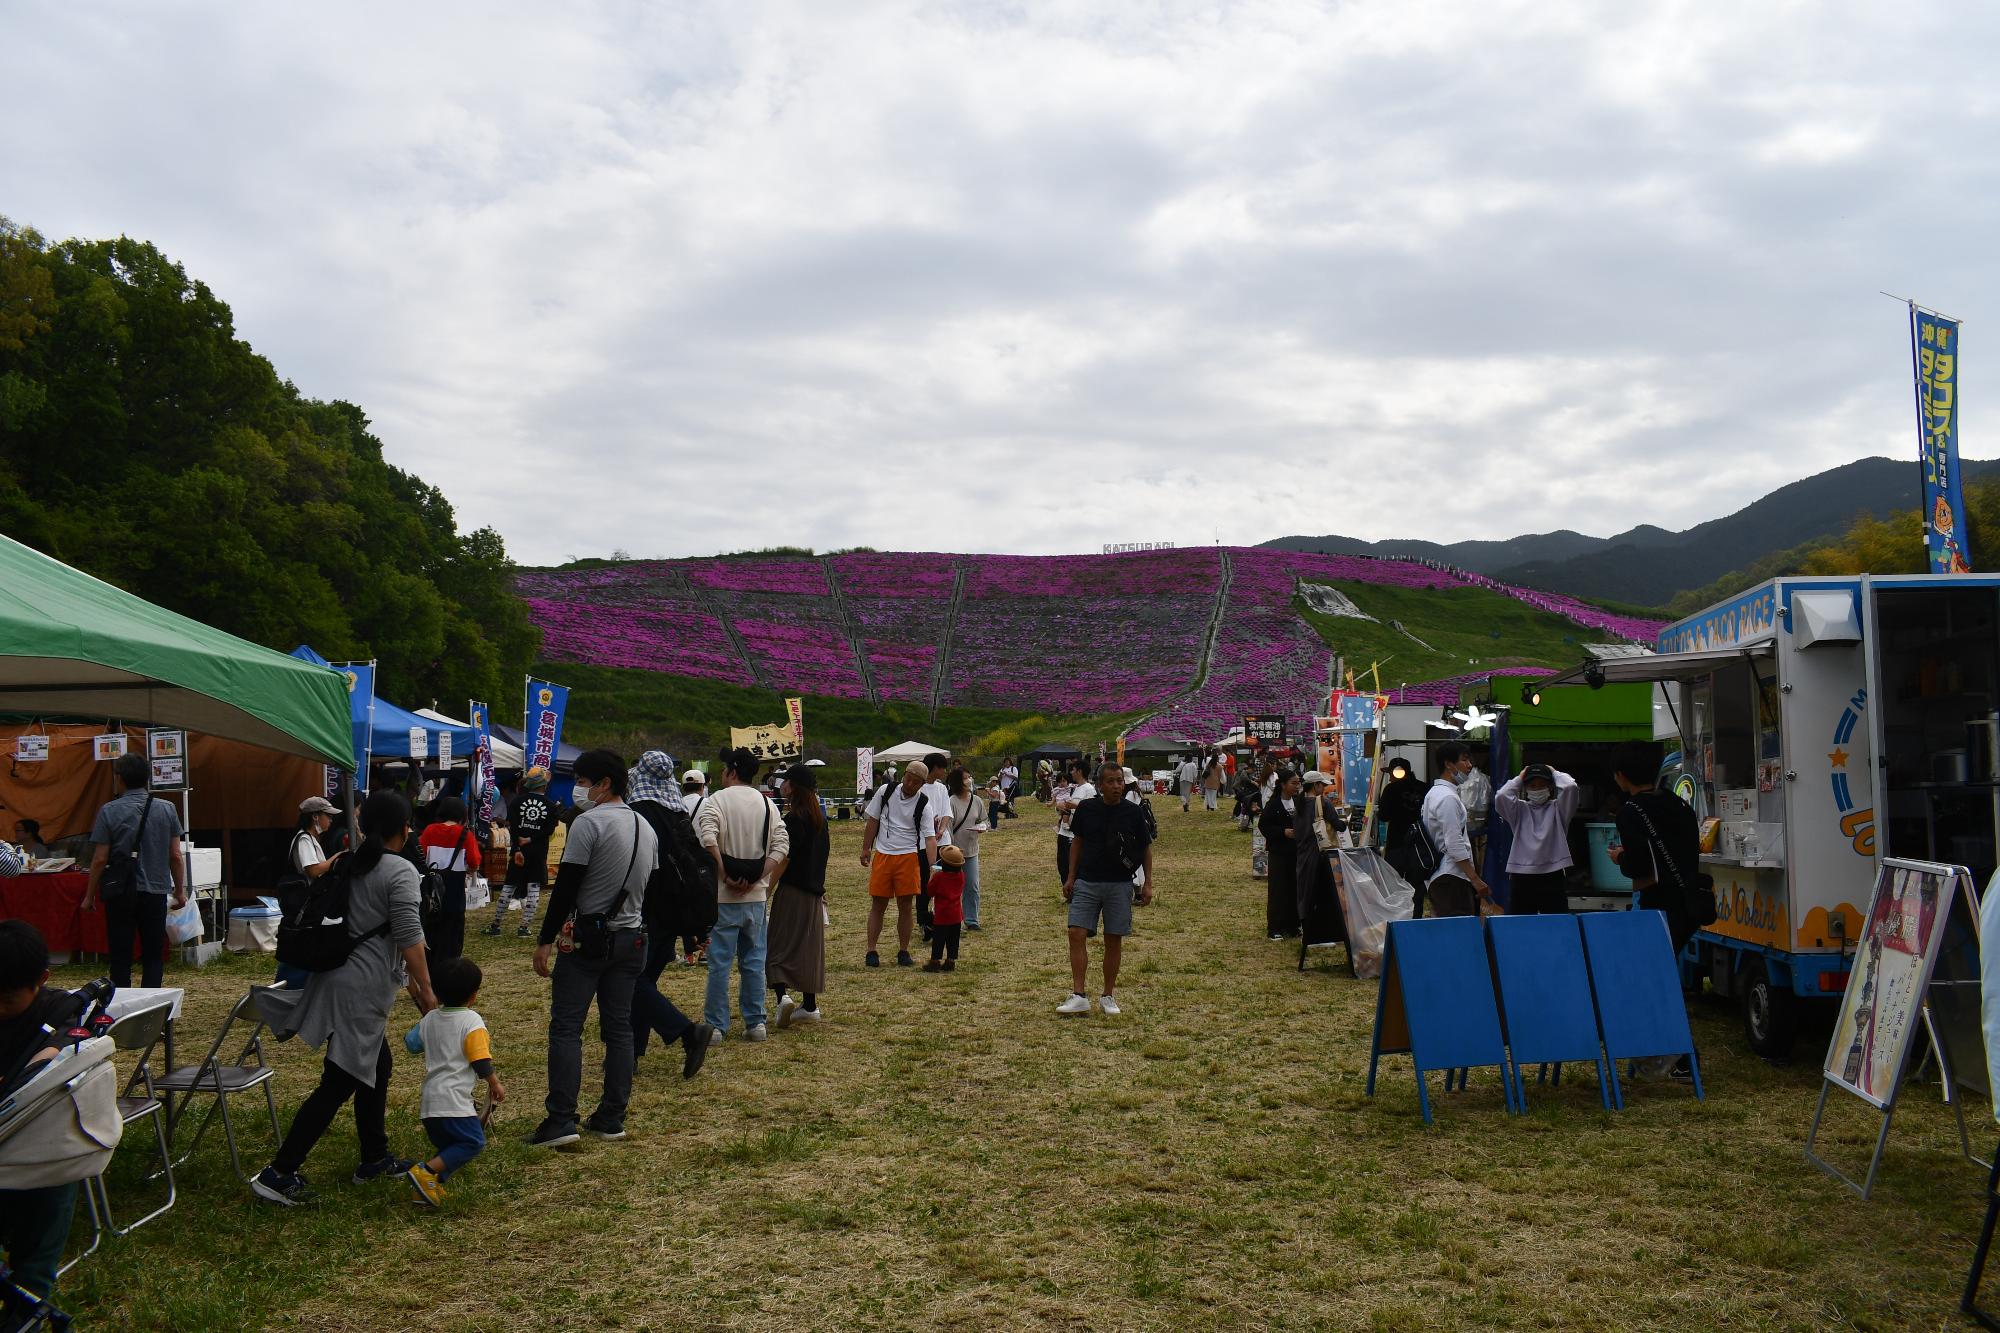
x=53 y=904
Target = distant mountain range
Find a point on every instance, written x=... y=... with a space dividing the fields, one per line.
x=1648 y=566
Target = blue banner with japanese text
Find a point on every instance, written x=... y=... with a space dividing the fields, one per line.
x=1935 y=340
x=542 y=729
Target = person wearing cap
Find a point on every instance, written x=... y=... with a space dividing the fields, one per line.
x=529 y=825
x=936 y=765
x=899 y=832
x=1314 y=897
x=947 y=909
x=1279 y=825
x=309 y=856
x=1538 y=804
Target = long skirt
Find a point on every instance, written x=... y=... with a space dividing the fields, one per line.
x=795 y=941
x=1281 y=907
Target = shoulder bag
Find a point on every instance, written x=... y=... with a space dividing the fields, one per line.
x=121 y=870
x=1697 y=899
x=590 y=932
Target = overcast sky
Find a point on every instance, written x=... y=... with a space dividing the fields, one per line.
x=1032 y=277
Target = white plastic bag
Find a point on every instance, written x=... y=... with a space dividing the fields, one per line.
x=184 y=922
x=1372 y=895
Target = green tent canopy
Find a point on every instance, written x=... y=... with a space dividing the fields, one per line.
x=72 y=645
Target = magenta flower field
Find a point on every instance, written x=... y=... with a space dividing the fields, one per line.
x=1051 y=634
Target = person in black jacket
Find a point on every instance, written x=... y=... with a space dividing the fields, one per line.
x=654 y=794
x=1277 y=823
x=795 y=934
x=1320 y=919
x=1652 y=823
x=1401 y=805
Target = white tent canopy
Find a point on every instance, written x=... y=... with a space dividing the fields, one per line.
x=908 y=750
x=504 y=755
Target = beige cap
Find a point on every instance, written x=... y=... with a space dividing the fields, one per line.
x=318 y=805
x=916 y=768
x=1313 y=776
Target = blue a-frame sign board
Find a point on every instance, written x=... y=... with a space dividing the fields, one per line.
x=1545 y=999
x=1436 y=1003
x=1637 y=985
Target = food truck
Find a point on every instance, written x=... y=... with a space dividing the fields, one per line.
x=1825 y=723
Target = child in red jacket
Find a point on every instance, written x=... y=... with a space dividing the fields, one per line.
x=947 y=889
x=452 y=849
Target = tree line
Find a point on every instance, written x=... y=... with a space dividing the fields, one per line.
x=1893 y=544
x=143 y=442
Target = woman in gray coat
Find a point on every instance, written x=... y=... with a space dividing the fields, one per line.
x=348 y=1007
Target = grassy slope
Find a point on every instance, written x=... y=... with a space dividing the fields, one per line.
x=946 y=1152
x=634 y=710
x=1468 y=629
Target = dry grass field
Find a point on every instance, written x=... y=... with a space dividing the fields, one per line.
x=948 y=1152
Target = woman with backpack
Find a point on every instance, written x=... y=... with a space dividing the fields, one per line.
x=451 y=853
x=346 y=1006
x=655 y=796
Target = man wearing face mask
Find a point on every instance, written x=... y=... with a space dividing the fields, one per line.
x=1455 y=887
x=600 y=896
x=1538 y=805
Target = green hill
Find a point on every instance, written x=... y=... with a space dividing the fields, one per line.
x=1466 y=630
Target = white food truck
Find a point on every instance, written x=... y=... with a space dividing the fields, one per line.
x=1826 y=722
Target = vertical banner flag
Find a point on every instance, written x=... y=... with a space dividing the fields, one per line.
x=1934 y=351
x=482 y=757
x=444 y=749
x=864 y=770
x=796 y=709
x=360 y=677
x=544 y=722
x=1356 y=712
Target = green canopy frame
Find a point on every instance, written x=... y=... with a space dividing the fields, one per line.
x=72 y=645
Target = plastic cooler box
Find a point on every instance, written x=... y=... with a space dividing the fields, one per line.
x=255 y=929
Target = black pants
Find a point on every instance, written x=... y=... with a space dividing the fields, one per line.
x=444 y=929
x=923 y=890
x=1536 y=893
x=1452 y=895
x=147 y=914
x=1062 y=860
x=1281 y=892
x=651 y=1011
x=944 y=941
x=336 y=1085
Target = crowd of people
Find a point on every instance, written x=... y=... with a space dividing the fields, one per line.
x=644 y=867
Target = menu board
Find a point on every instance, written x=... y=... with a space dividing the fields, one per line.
x=1881 y=1011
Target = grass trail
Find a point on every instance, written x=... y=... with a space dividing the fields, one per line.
x=948 y=1152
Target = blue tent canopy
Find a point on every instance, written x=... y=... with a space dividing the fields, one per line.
x=392 y=725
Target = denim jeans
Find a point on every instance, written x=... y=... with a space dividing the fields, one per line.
x=738 y=939
x=971 y=890
x=576 y=983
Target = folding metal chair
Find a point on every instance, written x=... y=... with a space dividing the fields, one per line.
x=141 y=1031
x=212 y=1075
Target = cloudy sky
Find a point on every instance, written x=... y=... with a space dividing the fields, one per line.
x=1032 y=277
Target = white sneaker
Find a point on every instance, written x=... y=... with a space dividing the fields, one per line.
x=1075 y=1004
x=755 y=1034
x=786 y=1007
x=809 y=1016
x=1108 y=1005
x=715 y=1037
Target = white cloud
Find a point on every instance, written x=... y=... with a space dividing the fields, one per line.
x=1030 y=276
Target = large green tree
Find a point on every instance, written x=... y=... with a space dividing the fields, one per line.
x=142 y=441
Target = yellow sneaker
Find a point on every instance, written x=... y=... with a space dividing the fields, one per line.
x=429 y=1191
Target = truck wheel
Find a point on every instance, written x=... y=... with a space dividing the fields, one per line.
x=1770 y=1016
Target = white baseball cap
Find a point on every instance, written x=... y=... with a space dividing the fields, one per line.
x=695 y=775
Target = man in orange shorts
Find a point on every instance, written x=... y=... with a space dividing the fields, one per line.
x=899 y=828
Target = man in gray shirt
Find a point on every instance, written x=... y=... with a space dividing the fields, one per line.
x=610 y=855
x=145 y=835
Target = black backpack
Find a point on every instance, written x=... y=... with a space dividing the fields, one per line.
x=313 y=933
x=886 y=790
x=685 y=874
